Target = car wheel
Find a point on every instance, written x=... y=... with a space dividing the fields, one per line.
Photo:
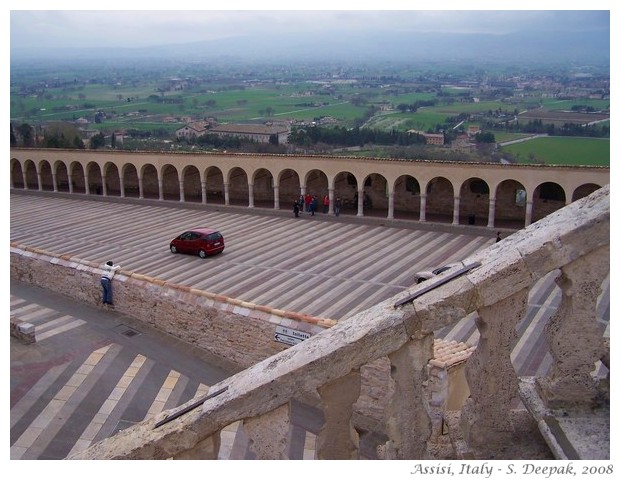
x=420 y=280
x=173 y=249
x=202 y=254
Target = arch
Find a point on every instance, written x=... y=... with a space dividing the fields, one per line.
x=214 y=184
x=76 y=173
x=376 y=195
x=289 y=187
x=111 y=180
x=31 y=177
x=406 y=197
x=439 y=200
x=170 y=186
x=262 y=182
x=316 y=183
x=345 y=186
x=130 y=180
x=547 y=198
x=584 y=190
x=95 y=178
x=192 y=186
x=474 y=202
x=510 y=204
x=17 y=174
x=62 y=176
x=238 y=189
x=47 y=179
x=150 y=181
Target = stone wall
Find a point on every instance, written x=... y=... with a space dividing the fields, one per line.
x=240 y=332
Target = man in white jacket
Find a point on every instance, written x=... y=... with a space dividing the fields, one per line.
x=109 y=269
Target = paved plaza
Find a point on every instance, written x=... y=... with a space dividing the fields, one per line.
x=93 y=372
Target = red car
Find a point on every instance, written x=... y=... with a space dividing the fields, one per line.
x=198 y=241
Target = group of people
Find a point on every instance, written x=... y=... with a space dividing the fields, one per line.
x=309 y=203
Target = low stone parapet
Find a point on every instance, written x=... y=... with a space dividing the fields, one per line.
x=23 y=331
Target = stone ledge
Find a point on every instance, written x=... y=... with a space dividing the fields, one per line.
x=571 y=433
x=23 y=331
x=222 y=302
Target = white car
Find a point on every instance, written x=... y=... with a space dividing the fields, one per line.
x=427 y=274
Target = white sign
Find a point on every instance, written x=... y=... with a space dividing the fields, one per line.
x=290 y=336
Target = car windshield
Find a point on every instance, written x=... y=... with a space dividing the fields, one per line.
x=439 y=270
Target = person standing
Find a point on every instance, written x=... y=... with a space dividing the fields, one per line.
x=109 y=270
x=326 y=203
x=313 y=204
x=337 y=205
x=308 y=200
x=296 y=208
x=498 y=238
x=301 y=202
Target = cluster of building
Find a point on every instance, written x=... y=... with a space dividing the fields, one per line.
x=261 y=133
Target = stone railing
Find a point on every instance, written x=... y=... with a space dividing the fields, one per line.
x=573 y=241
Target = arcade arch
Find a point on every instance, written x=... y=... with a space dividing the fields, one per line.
x=447 y=192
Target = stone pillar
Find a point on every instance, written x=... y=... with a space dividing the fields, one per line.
x=422 y=207
x=276 y=197
x=528 y=212
x=338 y=439
x=269 y=433
x=70 y=180
x=39 y=182
x=390 y=215
x=181 y=191
x=86 y=185
x=302 y=207
x=250 y=195
x=573 y=334
x=331 y=201
x=54 y=182
x=492 y=380
x=122 y=185
x=25 y=179
x=408 y=423
x=360 y=203
x=160 y=186
x=455 y=210
x=104 y=186
x=226 y=194
x=203 y=190
x=491 y=222
x=140 y=187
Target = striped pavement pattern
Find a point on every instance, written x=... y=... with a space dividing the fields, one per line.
x=39 y=419
x=326 y=269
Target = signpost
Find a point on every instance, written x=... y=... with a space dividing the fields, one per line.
x=290 y=336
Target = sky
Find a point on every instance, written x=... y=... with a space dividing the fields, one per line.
x=126 y=23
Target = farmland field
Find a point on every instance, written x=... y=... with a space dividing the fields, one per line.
x=562 y=151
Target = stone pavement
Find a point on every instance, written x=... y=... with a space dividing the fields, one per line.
x=93 y=372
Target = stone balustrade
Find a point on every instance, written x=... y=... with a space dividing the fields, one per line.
x=573 y=241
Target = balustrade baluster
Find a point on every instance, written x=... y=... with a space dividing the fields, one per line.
x=491 y=377
x=574 y=336
x=408 y=422
x=338 y=439
x=269 y=433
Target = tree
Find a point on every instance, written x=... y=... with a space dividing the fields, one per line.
x=27 y=133
x=97 y=141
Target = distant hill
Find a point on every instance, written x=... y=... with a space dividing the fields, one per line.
x=579 y=47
